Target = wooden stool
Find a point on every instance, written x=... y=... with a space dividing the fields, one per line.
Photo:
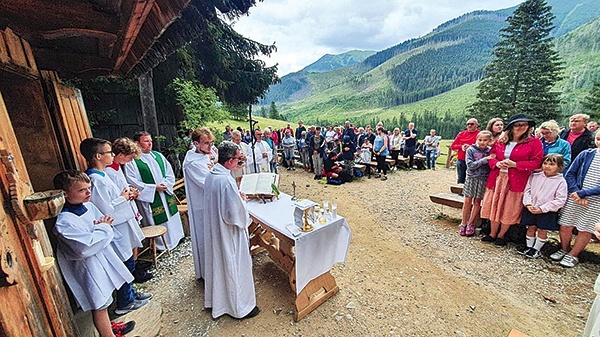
x=151 y=233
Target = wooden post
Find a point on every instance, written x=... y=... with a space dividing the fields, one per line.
x=148 y=107
x=449 y=158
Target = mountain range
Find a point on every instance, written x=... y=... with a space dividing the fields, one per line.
x=437 y=72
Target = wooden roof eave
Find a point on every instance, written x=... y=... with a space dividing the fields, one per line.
x=149 y=20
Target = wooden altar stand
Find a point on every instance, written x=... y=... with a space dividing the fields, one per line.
x=282 y=251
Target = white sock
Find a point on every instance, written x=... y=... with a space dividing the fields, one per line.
x=539 y=244
x=530 y=241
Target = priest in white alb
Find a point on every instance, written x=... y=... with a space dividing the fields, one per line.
x=153 y=176
x=196 y=167
x=263 y=154
x=229 y=283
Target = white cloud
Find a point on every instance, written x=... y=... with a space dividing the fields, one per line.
x=305 y=30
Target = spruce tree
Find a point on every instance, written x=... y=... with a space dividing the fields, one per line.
x=592 y=102
x=524 y=70
x=273 y=113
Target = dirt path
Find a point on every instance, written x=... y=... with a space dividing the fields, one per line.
x=407 y=274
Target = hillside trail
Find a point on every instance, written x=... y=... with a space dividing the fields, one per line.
x=407 y=273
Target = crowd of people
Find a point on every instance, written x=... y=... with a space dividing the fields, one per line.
x=331 y=152
x=544 y=178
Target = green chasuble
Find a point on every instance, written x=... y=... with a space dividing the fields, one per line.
x=158 y=210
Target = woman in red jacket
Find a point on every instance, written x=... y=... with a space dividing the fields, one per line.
x=517 y=154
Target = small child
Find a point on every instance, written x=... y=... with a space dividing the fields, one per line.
x=477 y=172
x=115 y=201
x=87 y=260
x=545 y=193
x=366 y=156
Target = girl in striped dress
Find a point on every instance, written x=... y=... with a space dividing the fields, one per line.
x=582 y=209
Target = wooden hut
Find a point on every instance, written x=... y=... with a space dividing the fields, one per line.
x=42 y=122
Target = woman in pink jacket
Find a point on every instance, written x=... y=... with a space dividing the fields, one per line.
x=517 y=154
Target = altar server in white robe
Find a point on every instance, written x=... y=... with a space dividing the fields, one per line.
x=87 y=260
x=245 y=153
x=263 y=154
x=153 y=176
x=229 y=283
x=124 y=150
x=196 y=167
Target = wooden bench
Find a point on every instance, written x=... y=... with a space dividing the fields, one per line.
x=448 y=199
x=456 y=188
x=182 y=207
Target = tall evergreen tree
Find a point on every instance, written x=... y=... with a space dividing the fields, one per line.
x=592 y=101
x=273 y=113
x=524 y=70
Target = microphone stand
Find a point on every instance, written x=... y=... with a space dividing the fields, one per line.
x=252 y=123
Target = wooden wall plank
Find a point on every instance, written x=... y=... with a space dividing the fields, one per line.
x=15 y=48
x=3 y=49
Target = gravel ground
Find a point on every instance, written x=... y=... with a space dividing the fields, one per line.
x=407 y=273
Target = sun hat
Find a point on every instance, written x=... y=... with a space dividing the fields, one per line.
x=518 y=118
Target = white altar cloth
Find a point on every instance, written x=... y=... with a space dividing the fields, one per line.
x=316 y=251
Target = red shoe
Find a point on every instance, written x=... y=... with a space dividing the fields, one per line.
x=120 y=328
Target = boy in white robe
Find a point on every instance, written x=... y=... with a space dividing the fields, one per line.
x=229 y=283
x=109 y=199
x=124 y=150
x=153 y=176
x=87 y=260
x=196 y=167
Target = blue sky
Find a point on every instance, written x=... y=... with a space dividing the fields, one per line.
x=305 y=30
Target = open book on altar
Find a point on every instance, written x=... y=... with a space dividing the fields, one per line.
x=259 y=184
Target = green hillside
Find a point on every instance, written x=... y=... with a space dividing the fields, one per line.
x=332 y=62
x=580 y=50
x=430 y=73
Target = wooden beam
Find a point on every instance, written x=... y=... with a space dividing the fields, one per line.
x=148 y=107
x=64 y=33
x=136 y=21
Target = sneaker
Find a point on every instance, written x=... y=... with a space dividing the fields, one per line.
x=569 y=261
x=142 y=296
x=558 y=256
x=134 y=305
x=524 y=251
x=121 y=329
x=533 y=253
x=500 y=242
x=141 y=276
x=288 y=169
x=470 y=230
x=487 y=239
x=384 y=178
x=293 y=168
x=462 y=230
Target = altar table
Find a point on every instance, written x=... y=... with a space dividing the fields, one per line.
x=307 y=258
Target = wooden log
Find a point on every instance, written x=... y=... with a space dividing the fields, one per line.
x=448 y=199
